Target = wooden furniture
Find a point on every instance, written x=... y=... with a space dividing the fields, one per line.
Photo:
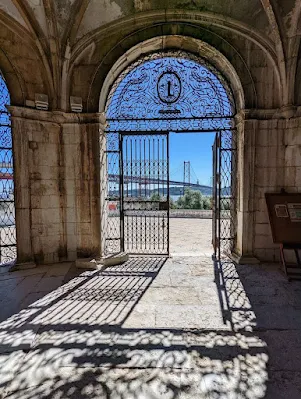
x=285 y=219
x=291 y=270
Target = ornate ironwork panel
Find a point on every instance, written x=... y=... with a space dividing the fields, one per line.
x=215 y=202
x=167 y=92
x=225 y=192
x=170 y=91
x=145 y=193
x=8 y=249
x=172 y=125
x=113 y=198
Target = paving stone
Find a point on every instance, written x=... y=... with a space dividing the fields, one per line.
x=170 y=295
x=7 y=286
x=9 y=365
x=278 y=317
x=22 y=289
x=141 y=316
x=60 y=269
x=189 y=316
x=284 y=385
x=146 y=330
x=285 y=352
x=48 y=284
x=147 y=383
x=15 y=337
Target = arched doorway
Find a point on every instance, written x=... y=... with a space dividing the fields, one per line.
x=8 y=250
x=163 y=93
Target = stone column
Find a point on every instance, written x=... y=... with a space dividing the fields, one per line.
x=246 y=146
x=39 y=186
x=103 y=192
x=57 y=182
x=83 y=152
x=22 y=190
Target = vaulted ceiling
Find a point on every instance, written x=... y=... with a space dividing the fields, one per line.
x=61 y=29
x=72 y=19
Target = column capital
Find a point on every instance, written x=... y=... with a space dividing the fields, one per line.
x=57 y=117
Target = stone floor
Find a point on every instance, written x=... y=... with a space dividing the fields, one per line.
x=183 y=327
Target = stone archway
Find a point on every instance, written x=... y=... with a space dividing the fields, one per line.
x=175 y=42
x=243 y=251
x=212 y=109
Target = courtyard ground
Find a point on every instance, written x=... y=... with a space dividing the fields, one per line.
x=190 y=237
x=183 y=327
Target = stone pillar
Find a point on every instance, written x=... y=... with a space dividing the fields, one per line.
x=87 y=186
x=22 y=191
x=246 y=147
x=270 y=177
x=57 y=184
x=71 y=147
x=103 y=192
x=39 y=179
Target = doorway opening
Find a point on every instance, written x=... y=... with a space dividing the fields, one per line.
x=191 y=194
x=157 y=97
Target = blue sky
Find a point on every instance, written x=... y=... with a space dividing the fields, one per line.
x=193 y=147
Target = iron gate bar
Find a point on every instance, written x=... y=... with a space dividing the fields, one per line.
x=226 y=208
x=168 y=197
x=8 y=242
x=214 y=196
x=219 y=194
x=145 y=221
x=121 y=188
x=113 y=241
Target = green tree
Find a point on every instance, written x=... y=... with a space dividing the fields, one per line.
x=207 y=203
x=194 y=200
x=155 y=197
x=172 y=204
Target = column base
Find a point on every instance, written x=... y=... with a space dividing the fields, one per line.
x=244 y=259
x=99 y=263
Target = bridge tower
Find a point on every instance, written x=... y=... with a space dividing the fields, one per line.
x=186 y=179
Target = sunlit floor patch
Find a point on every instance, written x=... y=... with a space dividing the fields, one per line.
x=184 y=327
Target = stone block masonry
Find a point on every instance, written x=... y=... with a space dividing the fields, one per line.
x=57 y=185
x=278 y=165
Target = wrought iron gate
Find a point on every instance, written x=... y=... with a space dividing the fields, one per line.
x=112 y=187
x=8 y=247
x=224 y=204
x=165 y=91
x=144 y=175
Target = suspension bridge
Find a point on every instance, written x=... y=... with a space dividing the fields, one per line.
x=189 y=180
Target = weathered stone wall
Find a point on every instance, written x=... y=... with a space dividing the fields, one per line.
x=57 y=169
x=277 y=166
